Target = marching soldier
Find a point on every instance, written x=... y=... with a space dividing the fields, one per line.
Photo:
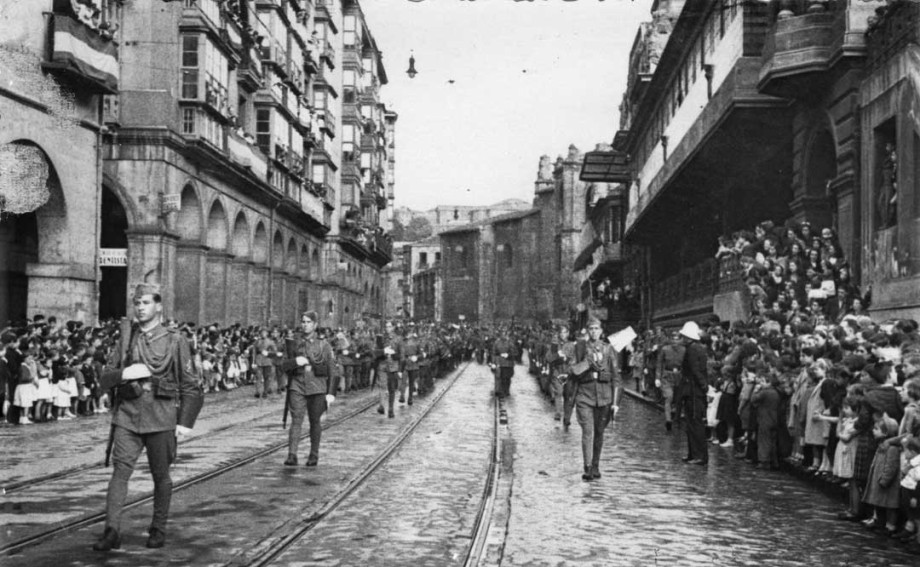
x=311 y=364
x=263 y=364
x=412 y=353
x=503 y=357
x=597 y=397
x=670 y=362
x=157 y=396
x=389 y=367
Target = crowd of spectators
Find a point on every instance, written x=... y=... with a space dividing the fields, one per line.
x=795 y=274
x=617 y=297
x=49 y=370
x=810 y=380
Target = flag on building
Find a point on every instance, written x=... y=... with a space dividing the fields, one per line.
x=81 y=49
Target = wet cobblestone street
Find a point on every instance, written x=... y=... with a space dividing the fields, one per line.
x=651 y=509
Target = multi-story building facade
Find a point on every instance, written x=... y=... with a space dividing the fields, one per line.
x=758 y=111
x=217 y=165
x=57 y=64
x=422 y=269
x=519 y=266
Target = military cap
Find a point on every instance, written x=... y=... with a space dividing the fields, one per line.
x=147 y=289
x=311 y=315
x=593 y=322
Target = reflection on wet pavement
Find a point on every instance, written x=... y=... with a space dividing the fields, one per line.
x=651 y=509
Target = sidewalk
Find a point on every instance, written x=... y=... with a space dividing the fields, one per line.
x=824 y=484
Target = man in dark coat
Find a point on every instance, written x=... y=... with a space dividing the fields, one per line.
x=504 y=353
x=157 y=396
x=597 y=397
x=311 y=364
x=390 y=364
x=693 y=386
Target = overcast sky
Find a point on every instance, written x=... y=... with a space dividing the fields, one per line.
x=529 y=79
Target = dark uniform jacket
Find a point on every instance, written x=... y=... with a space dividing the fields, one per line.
x=597 y=385
x=316 y=377
x=267 y=346
x=694 y=377
x=390 y=362
x=412 y=353
x=171 y=396
x=501 y=347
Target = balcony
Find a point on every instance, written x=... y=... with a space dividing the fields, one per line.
x=807 y=40
x=276 y=56
x=328 y=54
x=691 y=290
x=897 y=27
x=244 y=153
x=327 y=122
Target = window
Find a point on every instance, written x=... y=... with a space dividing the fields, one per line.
x=348 y=141
x=190 y=67
x=188 y=120
x=423 y=258
x=263 y=129
x=349 y=38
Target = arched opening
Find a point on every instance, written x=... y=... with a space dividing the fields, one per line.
x=260 y=244
x=278 y=251
x=315 y=268
x=188 y=222
x=113 y=240
x=290 y=260
x=217 y=227
x=820 y=169
x=304 y=267
x=240 y=239
x=31 y=204
x=18 y=248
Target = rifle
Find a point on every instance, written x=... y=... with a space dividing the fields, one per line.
x=127 y=330
x=289 y=352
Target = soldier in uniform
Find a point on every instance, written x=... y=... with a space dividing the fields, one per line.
x=311 y=364
x=668 y=369
x=263 y=364
x=597 y=397
x=503 y=356
x=692 y=393
x=389 y=367
x=157 y=396
x=412 y=353
x=561 y=357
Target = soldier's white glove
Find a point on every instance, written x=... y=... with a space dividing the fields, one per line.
x=657 y=383
x=182 y=431
x=345 y=352
x=329 y=399
x=136 y=371
x=302 y=361
x=264 y=353
x=388 y=351
x=504 y=355
x=413 y=358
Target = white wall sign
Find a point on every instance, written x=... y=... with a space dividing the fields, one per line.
x=109 y=257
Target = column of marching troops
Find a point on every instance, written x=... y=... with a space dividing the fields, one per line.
x=157 y=393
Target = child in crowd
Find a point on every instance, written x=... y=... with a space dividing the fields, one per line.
x=882 y=487
x=27 y=389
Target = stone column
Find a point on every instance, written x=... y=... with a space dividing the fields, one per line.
x=238 y=301
x=258 y=295
x=190 y=275
x=65 y=290
x=215 y=296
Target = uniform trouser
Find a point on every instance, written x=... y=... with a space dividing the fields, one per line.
x=593 y=421
x=503 y=380
x=668 y=380
x=408 y=381
x=387 y=385
x=126 y=448
x=559 y=395
x=694 y=410
x=312 y=406
x=348 y=377
x=265 y=379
